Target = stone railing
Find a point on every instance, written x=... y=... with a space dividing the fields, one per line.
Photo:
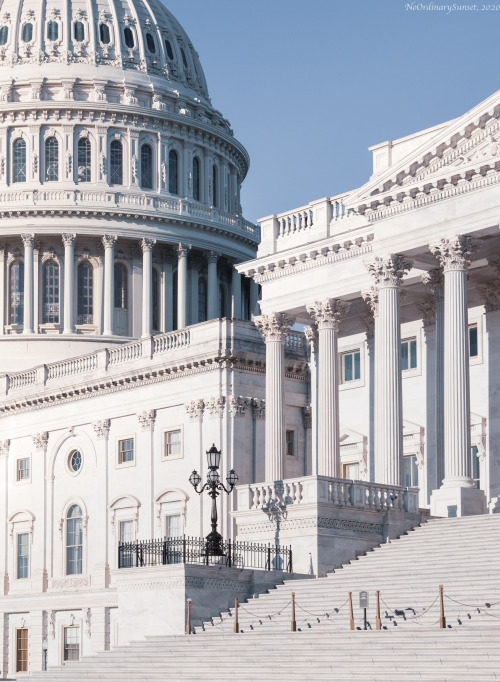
x=325 y=490
x=295 y=343
x=65 y=368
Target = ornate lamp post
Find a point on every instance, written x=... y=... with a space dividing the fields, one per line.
x=214 y=485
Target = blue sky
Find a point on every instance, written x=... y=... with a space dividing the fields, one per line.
x=309 y=86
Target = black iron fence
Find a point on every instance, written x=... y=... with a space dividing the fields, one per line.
x=188 y=550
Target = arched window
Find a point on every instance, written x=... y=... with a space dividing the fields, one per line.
x=121 y=288
x=202 y=300
x=150 y=42
x=116 y=163
x=128 y=36
x=85 y=293
x=51 y=159
x=184 y=60
x=4 y=34
x=52 y=30
x=51 y=292
x=214 y=185
x=74 y=540
x=27 y=33
x=222 y=301
x=19 y=166
x=16 y=289
x=146 y=167
x=168 y=47
x=79 y=31
x=104 y=34
x=84 y=160
x=196 y=178
x=173 y=169
x=156 y=300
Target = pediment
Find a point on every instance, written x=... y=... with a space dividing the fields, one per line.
x=468 y=144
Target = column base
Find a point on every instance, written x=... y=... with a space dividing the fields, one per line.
x=452 y=501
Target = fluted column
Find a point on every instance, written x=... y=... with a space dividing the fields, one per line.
x=108 y=242
x=328 y=315
x=168 y=270
x=29 y=243
x=254 y=298
x=182 y=285
x=147 y=286
x=195 y=275
x=213 y=285
x=388 y=273
x=69 y=283
x=274 y=329
x=236 y=295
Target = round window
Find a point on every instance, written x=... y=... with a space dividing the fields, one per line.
x=75 y=461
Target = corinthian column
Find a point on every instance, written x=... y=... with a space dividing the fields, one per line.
x=182 y=285
x=388 y=273
x=213 y=285
x=29 y=243
x=457 y=496
x=274 y=329
x=69 y=283
x=147 y=286
x=108 y=242
x=328 y=315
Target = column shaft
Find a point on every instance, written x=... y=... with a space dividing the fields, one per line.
x=213 y=286
x=69 y=283
x=194 y=291
x=169 y=292
x=109 y=281
x=147 y=285
x=182 y=286
x=236 y=295
x=254 y=298
x=29 y=242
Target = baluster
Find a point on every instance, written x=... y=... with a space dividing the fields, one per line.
x=335 y=492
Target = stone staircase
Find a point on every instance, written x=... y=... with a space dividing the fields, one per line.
x=462 y=554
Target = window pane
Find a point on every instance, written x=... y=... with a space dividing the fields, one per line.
x=414 y=472
x=27 y=33
x=17 y=293
x=146 y=167
x=473 y=348
x=172 y=172
x=404 y=355
x=352 y=471
x=22 y=650
x=104 y=34
x=51 y=293
x=184 y=60
x=196 y=179
x=126 y=450
x=156 y=300
x=74 y=540
x=4 y=34
x=214 y=185
x=129 y=37
x=413 y=353
x=173 y=443
x=168 y=46
x=222 y=301
x=476 y=477
x=51 y=159
x=71 y=644
x=116 y=163
x=121 y=290
x=22 y=555
x=290 y=443
x=357 y=365
x=84 y=160
x=52 y=30
x=126 y=535
x=23 y=469
x=79 y=31
x=150 y=42
x=348 y=367
x=202 y=300
x=407 y=471
x=173 y=526
x=85 y=293
x=19 y=171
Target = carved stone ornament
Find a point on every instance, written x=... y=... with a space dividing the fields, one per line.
x=434 y=281
x=40 y=440
x=328 y=314
x=307 y=417
x=147 y=244
x=258 y=408
x=238 y=406
x=427 y=308
x=183 y=249
x=4 y=447
x=68 y=239
x=274 y=327
x=454 y=253
x=388 y=271
x=215 y=406
x=371 y=298
x=311 y=334
x=490 y=293
x=194 y=410
x=147 y=419
x=108 y=241
x=101 y=428
x=28 y=239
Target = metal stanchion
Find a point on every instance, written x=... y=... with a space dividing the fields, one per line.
x=188 y=622
x=351 y=613
x=294 y=622
x=378 y=625
x=236 y=624
x=442 y=619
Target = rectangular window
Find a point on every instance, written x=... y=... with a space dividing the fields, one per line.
x=473 y=345
x=408 y=354
x=173 y=443
x=23 y=469
x=351 y=366
x=71 y=643
x=173 y=527
x=290 y=443
x=476 y=476
x=126 y=451
x=351 y=471
x=410 y=471
x=126 y=535
x=23 y=545
x=22 y=650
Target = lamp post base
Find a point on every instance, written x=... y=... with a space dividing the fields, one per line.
x=214 y=546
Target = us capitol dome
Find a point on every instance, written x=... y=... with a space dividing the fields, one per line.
x=120 y=210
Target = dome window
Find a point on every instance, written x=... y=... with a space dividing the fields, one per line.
x=52 y=30
x=51 y=159
x=79 y=31
x=19 y=149
x=104 y=34
x=116 y=163
x=27 y=33
x=84 y=160
x=4 y=34
x=168 y=47
x=146 y=167
x=51 y=292
x=85 y=296
x=173 y=164
x=184 y=60
x=16 y=289
x=129 y=37
x=196 y=179
x=150 y=41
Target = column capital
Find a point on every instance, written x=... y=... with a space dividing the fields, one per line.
x=147 y=419
x=183 y=249
x=68 y=239
x=101 y=428
x=311 y=334
x=454 y=253
x=108 y=241
x=388 y=271
x=274 y=327
x=213 y=256
x=28 y=239
x=329 y=313
x=40 y=440
x=4 y=447
x=434 y=281
x=370 y=297
x=147 y=244
x=427 y=308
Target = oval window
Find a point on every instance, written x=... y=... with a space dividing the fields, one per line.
x=75 y=461
x=150 y=43
x=4 y=34
x=168 y=47
x=129 y=37
x=27 y=34
x=184 y=60
x=79 y=32
x=52 y=30
x=104 y=33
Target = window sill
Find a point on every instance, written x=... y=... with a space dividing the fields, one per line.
x=125 y=465
x=409 y=373
x=167 y=458
x=345 y=386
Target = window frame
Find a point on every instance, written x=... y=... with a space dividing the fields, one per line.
x=409 y=340
x=409 y=456
x=293 y=441
x=474 y=451
x=343 y=355
x=65 y=628
x=354 y=462
x=165 y=432
x=66 y=532
x=25 y=662
x=476 y=321
x=15 y=143
x=57 y=294
x=20 y=292
x=128 y=463
x=22 y=481
x=81 y=263
x=149 y=171
x=56 y=162
x=84 y=141
x=27 y=557
x=173 y=172
x=112 y=182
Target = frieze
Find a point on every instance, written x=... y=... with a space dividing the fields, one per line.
x=66 y=583
x=180 y=582
x=312 y=522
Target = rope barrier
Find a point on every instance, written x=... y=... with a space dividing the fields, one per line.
x=424 y=612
